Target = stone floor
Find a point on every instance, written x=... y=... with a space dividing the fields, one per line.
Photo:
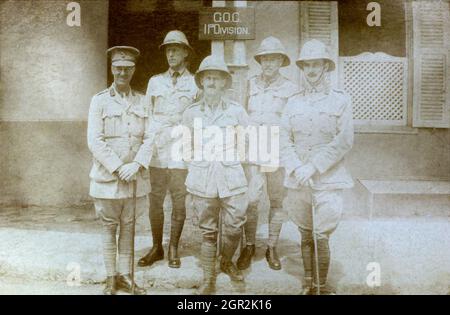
x=41 y=245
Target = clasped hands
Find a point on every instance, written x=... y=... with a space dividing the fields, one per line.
x=128 y=171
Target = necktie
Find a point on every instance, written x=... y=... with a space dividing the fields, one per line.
x=175 y=76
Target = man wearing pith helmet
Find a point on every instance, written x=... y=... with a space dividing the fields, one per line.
x=121 y=144
x=316 y=135
x=168 y=95
x=218 y=185
x=268 y=93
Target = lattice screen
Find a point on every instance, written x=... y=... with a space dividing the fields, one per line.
x=378 y=86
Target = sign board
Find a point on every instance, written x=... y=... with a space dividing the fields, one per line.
x=226 y=23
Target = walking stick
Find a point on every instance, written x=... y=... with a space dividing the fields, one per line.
x=220 y=236
x=316 y=252
x=133 y=230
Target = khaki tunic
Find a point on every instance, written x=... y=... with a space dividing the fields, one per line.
x=118 y=133
x=212 y=179
x=167 y=103
x=266 y=103
x=319 y=129
x=265 y=106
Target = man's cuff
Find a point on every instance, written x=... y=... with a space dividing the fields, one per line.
x=141 y=162
x=113 y=164
x=292 y=166
x=319 y=164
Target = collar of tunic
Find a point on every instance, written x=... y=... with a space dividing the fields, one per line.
x=127 y=100
x=272 y=84
x=323 y=87
x=180 y=73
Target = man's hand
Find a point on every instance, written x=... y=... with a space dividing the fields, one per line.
x=127 y=171
x=304 y=173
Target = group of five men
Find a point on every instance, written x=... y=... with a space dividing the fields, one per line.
x=131 y=138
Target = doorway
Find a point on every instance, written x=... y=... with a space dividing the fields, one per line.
x=144 y=23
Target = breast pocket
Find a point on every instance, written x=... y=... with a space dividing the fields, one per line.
x=159 y=101
x=327 y=122
x=253 y=99
x=277 y=103
x=301 y=124
x=138 y=121
x=112 y=122
x=185 y=98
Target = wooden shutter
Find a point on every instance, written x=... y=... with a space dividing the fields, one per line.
x=431 y=101
x=319 y=20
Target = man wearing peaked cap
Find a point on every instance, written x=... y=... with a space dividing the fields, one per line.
x=124 y=56
x=316 y=134
x=168 y=95
x=267 y=95
x=217 y=186
x=121 y=145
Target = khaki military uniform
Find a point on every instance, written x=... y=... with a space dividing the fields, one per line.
x=168 y=95
x=167 y=103
x=216 y=185
x=266 y=102
x=118 y=133
x=317 y=128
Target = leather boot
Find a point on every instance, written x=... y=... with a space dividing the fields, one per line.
x=272 y=258
x=208 y=259
x=125 y=283
x=323 y=250
x=155 y=254
x=110 y=287
x=175 y=234
x=230 y=244
x=231 y=270
x=157 y=227
x=245 y=258
x=307 y=257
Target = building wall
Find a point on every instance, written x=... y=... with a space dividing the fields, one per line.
x=49 y=73
x=423 y=155
x=44 y=103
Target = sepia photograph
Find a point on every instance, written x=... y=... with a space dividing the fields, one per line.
x=233 y=148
